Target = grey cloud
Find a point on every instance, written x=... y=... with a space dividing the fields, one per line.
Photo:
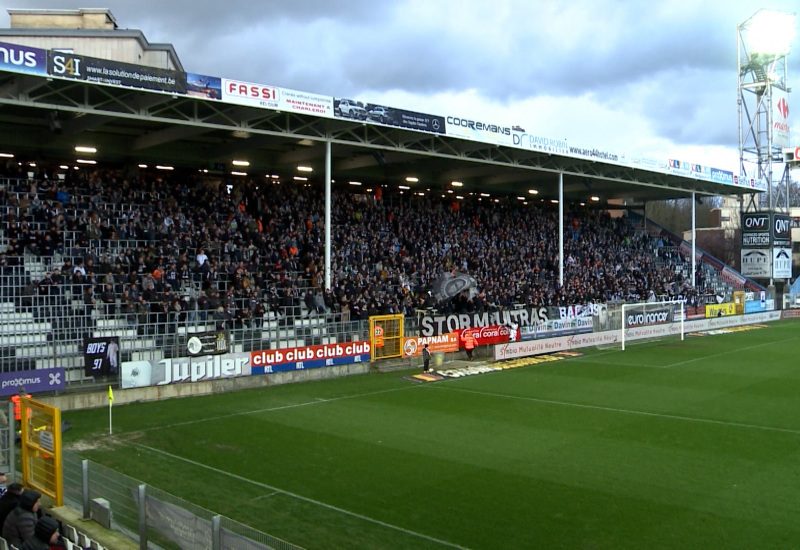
x=675 y=61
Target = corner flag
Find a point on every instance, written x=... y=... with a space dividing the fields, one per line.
x=110 y=401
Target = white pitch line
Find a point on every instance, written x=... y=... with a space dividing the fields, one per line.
x=737 y=350
x=303 y=498
x=695 y=359
x=622 y=411
x=316 y=401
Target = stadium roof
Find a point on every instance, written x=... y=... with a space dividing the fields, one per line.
x=43 y=118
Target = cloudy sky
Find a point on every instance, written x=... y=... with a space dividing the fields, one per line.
x=655 y=78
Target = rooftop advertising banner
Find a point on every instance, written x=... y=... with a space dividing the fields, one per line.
x=648 y=163
x=250 y=94
x=203 y=86
x=534 y=142
x=104 y=71
x=682 y=168
x=306 y=103
x=272 y=97
x=22 y=59
x=702 y=172
x=593 y=153
x=389 y=116
x=721 y=176
x=485 y=131
x=750 y=183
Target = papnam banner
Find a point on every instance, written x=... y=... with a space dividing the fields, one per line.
x=443 y=343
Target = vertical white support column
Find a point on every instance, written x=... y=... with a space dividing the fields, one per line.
x=561 y=229
x=694 y=240
x=328 y=178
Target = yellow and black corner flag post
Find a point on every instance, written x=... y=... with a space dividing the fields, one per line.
x=110 y=402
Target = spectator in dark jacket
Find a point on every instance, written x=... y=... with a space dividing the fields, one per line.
x=45 y=536
x=21 y=522
x=9 y=501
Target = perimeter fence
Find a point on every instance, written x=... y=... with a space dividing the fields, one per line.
x=165 y=521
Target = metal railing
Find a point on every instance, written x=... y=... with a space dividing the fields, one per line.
x=43 y=330
x=85 y=481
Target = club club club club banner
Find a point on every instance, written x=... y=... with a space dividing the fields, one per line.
x=310 y=357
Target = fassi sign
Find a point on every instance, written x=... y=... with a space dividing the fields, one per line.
x=245 y=90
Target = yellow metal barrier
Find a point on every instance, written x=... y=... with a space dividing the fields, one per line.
x=386 y=336
x=738 y=301
x=41 y=448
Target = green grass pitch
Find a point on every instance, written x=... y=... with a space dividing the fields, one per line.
x=668 y=445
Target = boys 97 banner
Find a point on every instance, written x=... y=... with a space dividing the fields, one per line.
x=101 y=356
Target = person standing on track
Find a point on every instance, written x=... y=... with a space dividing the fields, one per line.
x=426 y=359
x=469 y=342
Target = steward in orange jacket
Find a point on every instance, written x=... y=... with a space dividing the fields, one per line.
x=469 y=342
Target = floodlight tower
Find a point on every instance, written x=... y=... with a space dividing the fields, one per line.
x=764 y=43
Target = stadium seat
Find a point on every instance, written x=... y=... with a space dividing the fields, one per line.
x=71 y=533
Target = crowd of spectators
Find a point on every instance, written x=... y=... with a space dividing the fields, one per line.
x=150 y=248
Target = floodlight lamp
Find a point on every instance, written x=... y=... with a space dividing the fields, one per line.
x=770 y=33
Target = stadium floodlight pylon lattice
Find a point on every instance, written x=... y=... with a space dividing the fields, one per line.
x=644 y=314
x=764 y=44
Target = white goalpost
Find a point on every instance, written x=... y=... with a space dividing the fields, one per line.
x=658 y=315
